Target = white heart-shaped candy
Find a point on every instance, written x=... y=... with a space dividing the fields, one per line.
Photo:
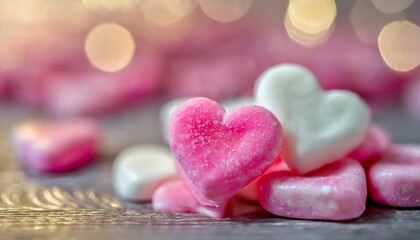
x=139 y=170
x=169 y=107
x=319 y=127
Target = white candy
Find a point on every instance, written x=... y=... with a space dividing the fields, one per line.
x=319 y=127
x=167 y=110
x=139 y=170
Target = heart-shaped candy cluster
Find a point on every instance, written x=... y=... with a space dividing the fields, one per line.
x=299 y=152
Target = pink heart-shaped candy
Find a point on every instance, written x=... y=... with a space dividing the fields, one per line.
x=394 y=180
x=375 y=143
x=335 y=192
x=56 y=146
x=217 y=152
x=174 y=197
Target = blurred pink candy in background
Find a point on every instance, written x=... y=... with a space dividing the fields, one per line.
x=93 y=56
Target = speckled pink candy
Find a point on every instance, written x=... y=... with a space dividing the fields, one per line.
x=218 y=153
x=334 y=192
x=56 y=146
x=372 y=147
x=394 y=180
x=250 y=191
x=174 y=197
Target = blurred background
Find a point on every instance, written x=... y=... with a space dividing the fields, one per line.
x=120 y=60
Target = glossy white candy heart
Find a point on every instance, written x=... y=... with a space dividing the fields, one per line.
x=139 y=170
x=320 y=127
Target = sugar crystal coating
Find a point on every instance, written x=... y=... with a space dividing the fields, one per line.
x=170 y=107
x=394 y=180
x=334 y=192
x=218 y=153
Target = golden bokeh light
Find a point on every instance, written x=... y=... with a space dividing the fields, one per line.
x=93 y=4
x=166 y=12
x=304 y=38
x=109 y=47
x=225 y=10
x=399 y=45
x=111 y=5
x=392 y=6
x=312 y=16
x=367 y=21
x=119 y=5
x=23 y=11
x=173 y=33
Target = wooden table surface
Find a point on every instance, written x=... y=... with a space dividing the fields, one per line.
x=82 y=204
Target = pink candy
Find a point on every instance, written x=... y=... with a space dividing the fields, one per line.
x=249 y=192
x=334 y=192
x=54 y=146
x=4 y=86
x=71 y=94
x=372 y=147
x=395 y=179
x=218 y=153
x=174 y=197
x=207 y=77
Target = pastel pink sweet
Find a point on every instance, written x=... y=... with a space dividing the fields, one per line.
x=4 y=85
x=174 y=197
x=335 y=192
x=30 y=86
x=168 y=108
x=250 y=191
x=218 y=153
x=375 y=143
x=56 y=146
x=394 y=180
x=71 y=94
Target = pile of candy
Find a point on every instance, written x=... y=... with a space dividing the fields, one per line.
x=295 y=150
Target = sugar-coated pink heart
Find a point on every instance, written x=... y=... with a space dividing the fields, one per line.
x=335 y=192
x=375 y=143
x=394 y=180
x=174 y=197
x=218 y=153
x=56 y=146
